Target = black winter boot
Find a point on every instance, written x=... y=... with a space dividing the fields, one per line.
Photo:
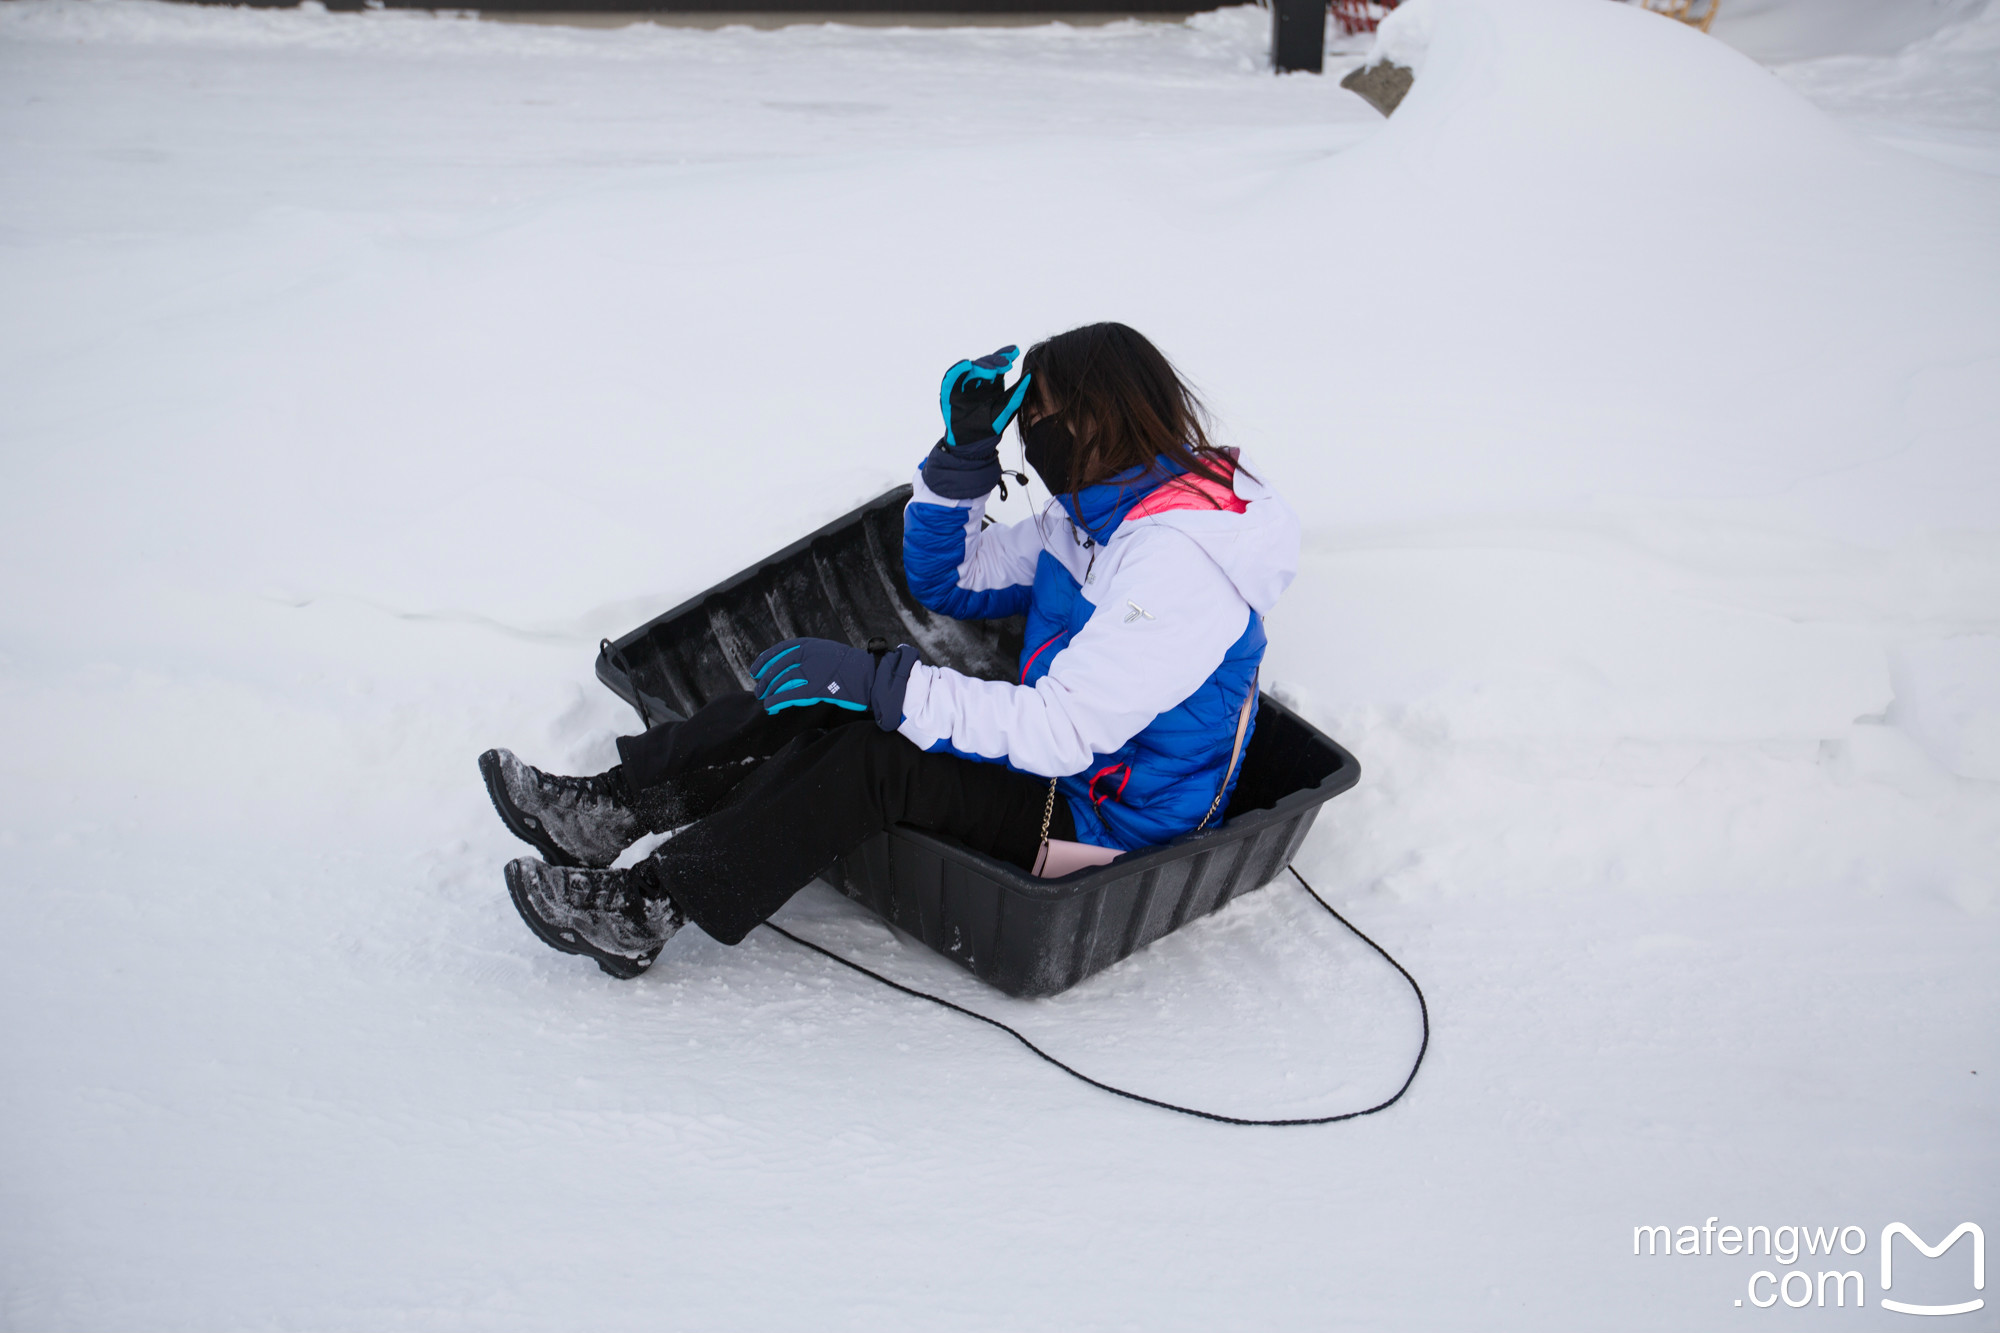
x=571 y=821
x=617 y=918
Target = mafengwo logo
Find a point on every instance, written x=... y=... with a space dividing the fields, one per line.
x=1835 y=1286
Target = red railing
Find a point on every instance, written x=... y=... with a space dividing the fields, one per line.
x=1360 y=15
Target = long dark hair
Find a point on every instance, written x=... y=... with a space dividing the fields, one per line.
x=1124 y=404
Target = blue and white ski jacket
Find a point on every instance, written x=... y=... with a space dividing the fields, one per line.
x=1145 y=609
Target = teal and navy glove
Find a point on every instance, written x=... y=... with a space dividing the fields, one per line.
x=975 y=399
x=820 y=671
x=977 y=404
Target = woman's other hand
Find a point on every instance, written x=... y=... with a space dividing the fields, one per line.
x=821 y=671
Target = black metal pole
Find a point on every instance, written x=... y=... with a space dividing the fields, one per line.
x=1298 y=35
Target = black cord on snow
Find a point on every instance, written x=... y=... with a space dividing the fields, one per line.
x=1422 y=1008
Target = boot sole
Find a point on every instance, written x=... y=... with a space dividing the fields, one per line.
x=615 y=964
x=519 y=823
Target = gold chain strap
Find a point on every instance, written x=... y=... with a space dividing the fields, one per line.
x=1212 y=804
x=1242 y=726
x=1242 y=729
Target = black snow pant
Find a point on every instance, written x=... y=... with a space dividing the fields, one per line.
x=782 y=795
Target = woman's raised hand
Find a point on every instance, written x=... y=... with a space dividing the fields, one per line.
x=977 y=403
x=976 y=400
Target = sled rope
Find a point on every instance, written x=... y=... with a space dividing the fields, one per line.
x=1423 y=1009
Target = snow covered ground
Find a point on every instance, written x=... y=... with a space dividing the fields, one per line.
x=361 y=371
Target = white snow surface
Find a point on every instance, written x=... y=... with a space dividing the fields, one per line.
x=1641 y=407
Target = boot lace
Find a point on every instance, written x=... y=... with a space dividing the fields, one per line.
x=591 y=793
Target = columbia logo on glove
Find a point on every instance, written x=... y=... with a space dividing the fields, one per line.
x=816 y=671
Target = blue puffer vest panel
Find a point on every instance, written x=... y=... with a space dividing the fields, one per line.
x=1163 y=781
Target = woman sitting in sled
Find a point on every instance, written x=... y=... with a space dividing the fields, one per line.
x=1144 y=581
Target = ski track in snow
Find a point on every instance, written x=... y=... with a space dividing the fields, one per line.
x=362 y=371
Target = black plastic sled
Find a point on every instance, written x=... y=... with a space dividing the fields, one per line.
x=1026 y=936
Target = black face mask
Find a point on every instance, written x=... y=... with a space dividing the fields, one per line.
x=1049 y=446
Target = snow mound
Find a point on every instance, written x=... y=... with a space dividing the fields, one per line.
x=1749 y=355
x=1948 y=698
x=1938 y=96
x=1784 y=30
x=1404 y=37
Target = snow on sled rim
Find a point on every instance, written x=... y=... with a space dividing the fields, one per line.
x=1026 y=936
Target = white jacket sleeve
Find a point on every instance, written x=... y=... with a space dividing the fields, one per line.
x=1163 y=621
x=949 y=552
